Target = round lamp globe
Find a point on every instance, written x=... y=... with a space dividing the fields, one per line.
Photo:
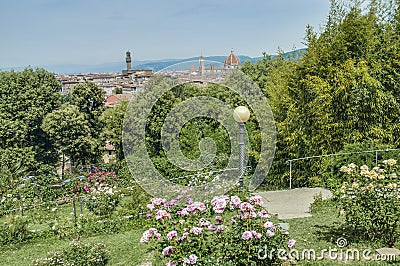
x=241 y=114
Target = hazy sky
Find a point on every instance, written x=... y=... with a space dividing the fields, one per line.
x=46 y=32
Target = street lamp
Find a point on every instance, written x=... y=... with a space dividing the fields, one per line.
x=241 y=114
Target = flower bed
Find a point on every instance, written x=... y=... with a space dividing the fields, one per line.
x=228 y=230
x=370 y=200
x=101 y=191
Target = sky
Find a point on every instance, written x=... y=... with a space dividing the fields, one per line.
x=53 y=32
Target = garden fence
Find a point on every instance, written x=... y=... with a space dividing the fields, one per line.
x=374 y=156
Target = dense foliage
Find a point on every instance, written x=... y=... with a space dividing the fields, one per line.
x=344 y=89
x=68 y=129
x=25 y=99
x=192 y=133
x=113 y=120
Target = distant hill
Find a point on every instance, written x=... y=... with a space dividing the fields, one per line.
x=154 y=65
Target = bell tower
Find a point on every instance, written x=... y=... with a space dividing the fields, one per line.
x=201 y=64
x=128 y=60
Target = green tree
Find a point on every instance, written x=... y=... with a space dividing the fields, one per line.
x=70 y=132
x=89 y=99
x=343 y=90
x=113 y=121
x=191 y=133
x=25 y=98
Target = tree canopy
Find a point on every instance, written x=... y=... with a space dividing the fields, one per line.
x=343 y=90
x=25 y=98
x=68 y=129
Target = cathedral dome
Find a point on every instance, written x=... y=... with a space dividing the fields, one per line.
x=232 y=60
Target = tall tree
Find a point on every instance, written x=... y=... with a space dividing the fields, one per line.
x=25 y=98
x=89 y=98
x=344 y=89
x=70 y=132
x=113 y=121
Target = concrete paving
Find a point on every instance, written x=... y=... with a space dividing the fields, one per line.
x=294 y=203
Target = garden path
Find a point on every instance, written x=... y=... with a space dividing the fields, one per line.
x=294 y=203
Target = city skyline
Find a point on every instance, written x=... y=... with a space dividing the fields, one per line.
x=49 y=32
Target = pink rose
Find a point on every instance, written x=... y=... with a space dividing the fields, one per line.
x=263 y=214
x=291 y=243
x=162 y=214
x=270 y=233
x=172 y=234
x=247 y=235
x=256 y=199
x=193 y=259
x=168 y=251
x=246 y=207
x=196 y=230
x=256 y=235
x=235 y=202
x=157 y=201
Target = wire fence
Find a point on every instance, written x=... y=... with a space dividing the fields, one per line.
x=374 y=157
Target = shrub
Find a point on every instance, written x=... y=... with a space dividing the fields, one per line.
x=352 y=153
x=67 y=227
x=7 y=203
x=225 y=231
x=77 y=254
x=14 y=230
x=47 y=177
x=133 y=205
x=370 y=200
x=101 y=191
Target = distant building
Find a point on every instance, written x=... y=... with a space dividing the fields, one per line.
x=129 y=81
x=232 y=61
x=128 y=60
x=201 y=65
x=205 y=72
x=113 y=100
x=139 y=73
x=109 y=154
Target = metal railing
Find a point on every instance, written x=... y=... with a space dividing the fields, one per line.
x=290 y=162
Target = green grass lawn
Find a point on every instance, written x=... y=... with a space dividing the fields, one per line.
x=124 y=247
x=322 y=230
x=318 y=232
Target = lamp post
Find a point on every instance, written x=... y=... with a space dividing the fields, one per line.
x=241 y=114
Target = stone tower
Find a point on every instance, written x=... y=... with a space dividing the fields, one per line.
x=128 y=61
x=201 y=65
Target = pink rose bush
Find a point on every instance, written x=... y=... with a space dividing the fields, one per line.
x=225 y=230
x=168 y=251
x=101 y=190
